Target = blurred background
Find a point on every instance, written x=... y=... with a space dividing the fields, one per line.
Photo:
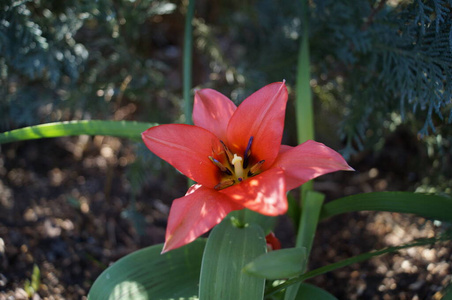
x=381 y=81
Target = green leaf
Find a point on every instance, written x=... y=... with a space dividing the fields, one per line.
x=357 y=259
x=125 y=129
x=147 y=274
x=228 y=250
x=309 y=291
x=428 y=206
x=278 y=264
x=307 y=227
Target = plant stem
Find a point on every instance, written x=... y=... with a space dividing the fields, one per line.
x=187 y=61
x=187 y=66
x=304 y=109
x=310 y=202
x=309 y=219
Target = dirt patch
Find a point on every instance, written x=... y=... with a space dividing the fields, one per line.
x=66 y=206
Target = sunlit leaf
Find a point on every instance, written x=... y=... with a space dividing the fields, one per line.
x=125 y=129
x=147 y=274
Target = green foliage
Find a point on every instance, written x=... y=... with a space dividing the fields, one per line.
x=76 y=59
x=374 y=57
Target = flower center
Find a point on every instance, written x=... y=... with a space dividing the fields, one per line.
x=234 y=168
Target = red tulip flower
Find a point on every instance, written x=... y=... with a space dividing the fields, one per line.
x=236 y=157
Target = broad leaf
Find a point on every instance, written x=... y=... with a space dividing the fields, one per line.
x=147 y=274
x=228 y=250
x=278 y=264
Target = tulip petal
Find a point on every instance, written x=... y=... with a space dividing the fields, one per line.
x=195 y=214
x=212 y=111
x=187 y=148
x=261 y=115
x=264 y=193
x=308 y=161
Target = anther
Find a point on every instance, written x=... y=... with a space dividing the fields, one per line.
x=247 y=153
x=220 y=166
x=224 y=184
x=228 y=152
x=256 y=168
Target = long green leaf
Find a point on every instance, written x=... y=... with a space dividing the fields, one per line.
x=428 y=206
x=357 y=259
x=307 y=227
x=279 y=264
x=125 y=129
x=227 y=251
x=147 y=274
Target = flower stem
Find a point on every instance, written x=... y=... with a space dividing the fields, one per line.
x=187 y=66
x=311 y=202
x=304 y=110
x=306 y=230
x=187 y=61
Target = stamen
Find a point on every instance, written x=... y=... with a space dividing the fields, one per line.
x=228 y=152
x=220 y=166
x=238 y=166
x=224 y=184
x=247 y=153
x=256 y=168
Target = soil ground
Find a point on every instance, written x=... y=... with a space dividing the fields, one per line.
x=65 y=207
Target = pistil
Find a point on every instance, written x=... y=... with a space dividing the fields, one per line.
x=237 y=162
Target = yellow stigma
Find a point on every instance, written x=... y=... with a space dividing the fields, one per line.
x=237 y=161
